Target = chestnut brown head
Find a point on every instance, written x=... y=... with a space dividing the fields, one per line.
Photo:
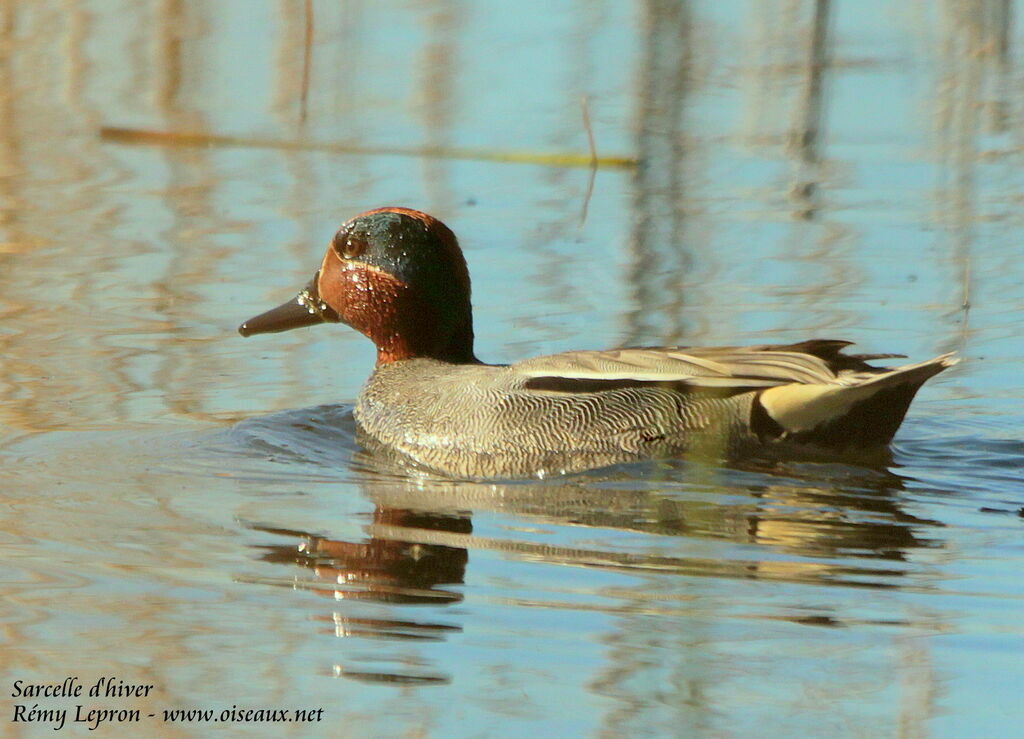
x=396 y=275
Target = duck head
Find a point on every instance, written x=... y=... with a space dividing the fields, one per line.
x=394 y=274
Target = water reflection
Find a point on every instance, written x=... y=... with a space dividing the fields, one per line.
x=814 y=511
x=663 y=211
x=807 y=138
x=796 y=523
x=384 y=569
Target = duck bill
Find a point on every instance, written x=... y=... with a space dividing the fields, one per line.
x=305 y=309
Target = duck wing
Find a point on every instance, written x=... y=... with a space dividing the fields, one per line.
x=810 y=391
x=817 y=362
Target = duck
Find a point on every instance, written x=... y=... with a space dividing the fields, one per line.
x=398 y=276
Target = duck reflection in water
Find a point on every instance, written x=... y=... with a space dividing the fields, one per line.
x=384 y=569
x=826 y=517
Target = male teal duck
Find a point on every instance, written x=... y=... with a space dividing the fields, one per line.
x=398 y=276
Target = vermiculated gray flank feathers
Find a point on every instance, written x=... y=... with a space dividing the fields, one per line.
x=586 y=409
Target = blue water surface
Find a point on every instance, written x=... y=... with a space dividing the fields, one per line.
x=184 y=508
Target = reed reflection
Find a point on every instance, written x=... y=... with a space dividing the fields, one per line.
x=664 y=208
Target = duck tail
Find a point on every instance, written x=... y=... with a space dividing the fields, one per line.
x=862 y=410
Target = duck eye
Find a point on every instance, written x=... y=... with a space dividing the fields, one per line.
x=349 y=245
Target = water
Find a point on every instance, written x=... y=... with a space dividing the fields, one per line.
x=184 y=508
